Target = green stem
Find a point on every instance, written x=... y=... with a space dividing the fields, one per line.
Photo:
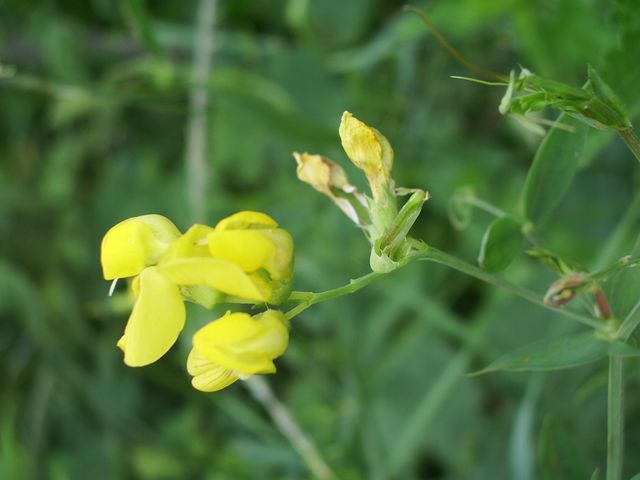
x=615 y=418
x=629 y=324
x=631 y=141
x=309 y=298
x=434 y=255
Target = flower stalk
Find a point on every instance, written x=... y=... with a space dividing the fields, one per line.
x=615 y=418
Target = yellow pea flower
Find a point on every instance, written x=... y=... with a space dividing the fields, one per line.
x=132 y=248
x=248 y=257
x=236 y=346
x=252 y=241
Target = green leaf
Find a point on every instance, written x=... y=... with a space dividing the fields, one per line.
x=553 y=168
x=636 y=477
x=604 y=92
x=596 y=474
x=559 y=353
x=501 y=243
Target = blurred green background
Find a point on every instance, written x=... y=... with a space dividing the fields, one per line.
x=92 y=131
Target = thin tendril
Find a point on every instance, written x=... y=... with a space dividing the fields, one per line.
x=450 y=48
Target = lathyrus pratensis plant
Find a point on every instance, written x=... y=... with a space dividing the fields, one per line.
x=246 y=258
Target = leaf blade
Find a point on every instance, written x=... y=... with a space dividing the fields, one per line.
x=559 y=353
x=500 y=245
x=554 y=166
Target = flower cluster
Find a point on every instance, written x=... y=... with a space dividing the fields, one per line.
x=384 y=225
x=245 y=258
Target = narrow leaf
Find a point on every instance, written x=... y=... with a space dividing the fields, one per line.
x=553 y=169
x=604 y=92
x=501 y=243
x=559 y=353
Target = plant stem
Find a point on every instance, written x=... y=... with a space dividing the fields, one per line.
x=196 y=147
x=310 y=298
x=629 y=324
x=287 y=425
x=631 y=141
x=434 y=255
x=615 y=418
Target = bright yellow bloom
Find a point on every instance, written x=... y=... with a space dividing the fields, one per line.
x=251 y=241
x=133 y=247
x=236 y=346
x=244 y=256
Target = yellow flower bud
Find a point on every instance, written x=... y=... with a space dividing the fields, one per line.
x=135 y=243
x=236 y=346
x=369 y=150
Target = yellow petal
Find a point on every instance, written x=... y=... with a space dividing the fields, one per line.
x=243 y=343
x=156 y=320
x=249 y=249
x=280 y=264
x=320 y=172
x=246 y=220
x=219 y=274
x=135 y=243
x=192 y=244
x=369 y=150
x=330 y=179
x=207 y=376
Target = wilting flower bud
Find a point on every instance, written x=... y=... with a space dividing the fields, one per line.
x=329 y=178
x=235 y=347
x=566 y=289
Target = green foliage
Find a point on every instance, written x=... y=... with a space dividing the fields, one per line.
x=501 y=243
x=559 y=353
x=554 y=166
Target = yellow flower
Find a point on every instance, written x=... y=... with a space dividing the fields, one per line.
x=252 y=241
x=188 y=262
x=236 y=346
x=245 y=256
x=132 y=248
